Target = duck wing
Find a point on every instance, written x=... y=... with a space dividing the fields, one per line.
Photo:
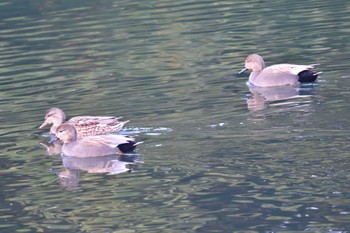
x=96 y=125
x=288 y=68
x=111 y=141
x=94 y=120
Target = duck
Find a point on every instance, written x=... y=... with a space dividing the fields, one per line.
x=93 y=146
x=279 y=74
x=84 y=125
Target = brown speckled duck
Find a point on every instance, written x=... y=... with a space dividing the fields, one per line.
x=277 y=75
x=84 y=125
x=93 y=146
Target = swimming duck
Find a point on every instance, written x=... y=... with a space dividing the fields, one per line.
x=277 y=75
x=84 y=125
x=93 y=146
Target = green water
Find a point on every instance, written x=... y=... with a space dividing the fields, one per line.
x=217 y=156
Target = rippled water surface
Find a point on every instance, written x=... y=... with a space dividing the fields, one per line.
x=217 y=155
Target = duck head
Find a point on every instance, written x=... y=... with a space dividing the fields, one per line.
x=53 y=116
x=66 y=133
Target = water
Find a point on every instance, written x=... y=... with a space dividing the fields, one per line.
x=216 y=157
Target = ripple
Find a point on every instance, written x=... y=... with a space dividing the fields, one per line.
x=208 y=162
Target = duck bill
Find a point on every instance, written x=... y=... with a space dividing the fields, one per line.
x=242 y=70
x=43 y=125
x=53 y=139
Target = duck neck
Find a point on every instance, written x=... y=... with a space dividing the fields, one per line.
x=71 y=138
x=53 y=129
x=58 y=121
x=253 y=75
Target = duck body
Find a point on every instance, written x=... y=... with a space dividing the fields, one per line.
x=84 y=125
x=277 y=75
x=93 y=146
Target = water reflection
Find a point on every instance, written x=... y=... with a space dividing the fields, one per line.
x=54 y=148
x=111 y=164
x=262 y=97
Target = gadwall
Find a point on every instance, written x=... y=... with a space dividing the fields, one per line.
x=85 y=125
x=93 y=146
x=277 y=75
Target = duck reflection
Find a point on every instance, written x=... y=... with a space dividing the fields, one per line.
x=110 y=164
x=54 y=148
x=262 y=97
x=69 y=179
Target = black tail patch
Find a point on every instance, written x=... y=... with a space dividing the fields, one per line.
x=307 y=76
x=127 y=147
